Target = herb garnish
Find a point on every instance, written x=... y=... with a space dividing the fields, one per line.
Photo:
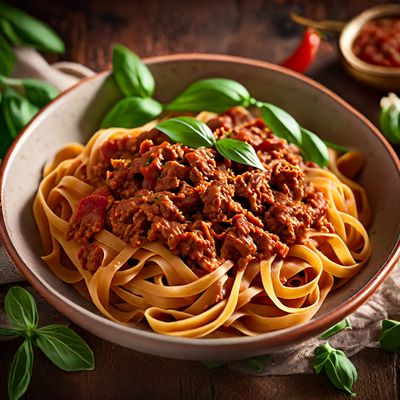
x=390 y=336
x=337 y=367
x=60 y=344
x=340 y=326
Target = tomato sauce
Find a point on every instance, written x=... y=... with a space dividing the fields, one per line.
x=378 y=42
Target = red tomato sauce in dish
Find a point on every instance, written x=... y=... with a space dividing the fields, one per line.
x=378 y=42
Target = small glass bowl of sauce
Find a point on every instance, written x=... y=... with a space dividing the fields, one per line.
x=370 y=46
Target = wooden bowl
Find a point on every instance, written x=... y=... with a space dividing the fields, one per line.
x=373 y=75
x=75 y=116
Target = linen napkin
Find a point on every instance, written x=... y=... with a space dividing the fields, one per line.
x=366 y=321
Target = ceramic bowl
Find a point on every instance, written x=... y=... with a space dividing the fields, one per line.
x=75 y=116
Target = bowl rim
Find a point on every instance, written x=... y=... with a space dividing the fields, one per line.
x=350 y=32
x=274 y=339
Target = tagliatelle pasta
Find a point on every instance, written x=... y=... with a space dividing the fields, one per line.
x=245 y=293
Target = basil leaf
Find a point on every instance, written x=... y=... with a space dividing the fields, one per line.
x=389 y=119
x=340 y=326
x=132 y=112
x=20 y=371
x=9 y=332
x=132 y=76
x=21 y=308
x=9 y=33
x=188 y=131
x=5 y=137
x=215 y=94
x=239 y=151
x=17 y=111
x=257 y=364
x=7 y=57
x=37 y=92
x=32 y=31
x=281 y=123
x=213 y=364
x=337 y=147
x=390 y=336
x=314 y=149
x=65 y=348
x=338 y=368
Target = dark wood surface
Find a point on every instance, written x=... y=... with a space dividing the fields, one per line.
x=256 y=29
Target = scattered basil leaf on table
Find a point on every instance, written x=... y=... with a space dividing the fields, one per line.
x=7 y=57
x=17 y=111
x=340 y=326
x=61 y=345
x=32 y=31
x=257 y=364
x=188 y=131
x=132 y=112
x=281 y=123
x=21 y=308
x=65 y=348
x=213 y=364
x=314 y=149
x=215 y=94
x=389 y=119
x=20 y=373
x=390 y=336
x=337 y=367
x=337 y=147
x=37 y=92
x=239 y=151
x=132 y=76
x=9 y=33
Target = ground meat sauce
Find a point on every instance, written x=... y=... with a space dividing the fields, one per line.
x=378 y=42
x=204 y=208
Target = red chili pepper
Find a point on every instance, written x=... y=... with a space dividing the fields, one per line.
x=304 y=55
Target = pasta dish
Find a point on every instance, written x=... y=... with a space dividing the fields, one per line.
x=191 y=244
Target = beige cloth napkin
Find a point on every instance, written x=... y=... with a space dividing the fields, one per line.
x=366 y=321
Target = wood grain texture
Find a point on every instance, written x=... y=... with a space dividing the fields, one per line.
x=256 y=29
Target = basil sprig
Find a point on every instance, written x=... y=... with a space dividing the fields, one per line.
x=132 y=112
x=132 y=76
x=314 y=149
x=390 y=336
x=60 y=344
x=7 y=57
x=29 y=31
x=340 y=326
x=389 y=119
x=215 y=94
x=337 y=367
x=337 y=147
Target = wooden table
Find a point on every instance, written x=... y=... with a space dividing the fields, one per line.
x=257 y=29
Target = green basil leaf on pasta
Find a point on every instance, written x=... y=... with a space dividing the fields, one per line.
x=132 y=112
x=188 y=131
x=337 y=367
x=20 y=372
x=337 y=147
x=7 y=57
x=21 y=308
x=32 y=31
x=9 y=33
x=340 y=326
x=132 y=76
x=65 y=348
x=390 y=336
x=17 y=111
x=239 y=151
x=281 y=123
x=314 y=149
x=389 y=119
x=38 y=93
x=215 y=94
x=213 y=364
x=257 y=364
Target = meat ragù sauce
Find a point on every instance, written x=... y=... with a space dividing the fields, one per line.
x=378 y=42
x=201 y=206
